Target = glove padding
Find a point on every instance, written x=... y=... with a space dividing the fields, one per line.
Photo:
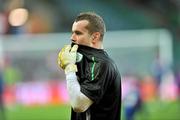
x=67 y=58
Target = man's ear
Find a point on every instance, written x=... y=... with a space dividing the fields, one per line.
x=95 y=36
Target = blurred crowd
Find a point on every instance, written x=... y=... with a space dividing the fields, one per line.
x=139 y=91
x=33 y=17
x=162 y=84
x=45 y=16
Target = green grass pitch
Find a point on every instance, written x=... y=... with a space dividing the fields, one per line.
x=60 y=112
x=151 y=111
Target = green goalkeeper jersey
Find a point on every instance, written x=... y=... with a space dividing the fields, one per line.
x=100 y=81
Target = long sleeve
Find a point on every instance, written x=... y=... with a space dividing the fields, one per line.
x=78 y=100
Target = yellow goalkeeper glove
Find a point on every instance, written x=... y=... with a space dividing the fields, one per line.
x=67 y=58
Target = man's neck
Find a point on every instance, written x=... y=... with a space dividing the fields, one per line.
x=98 y=46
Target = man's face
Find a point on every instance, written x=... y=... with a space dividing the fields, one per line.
x=80 y=35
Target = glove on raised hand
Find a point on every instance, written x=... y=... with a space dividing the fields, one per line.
x=67 y=58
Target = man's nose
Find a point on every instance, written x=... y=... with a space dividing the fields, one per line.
x=73 y=38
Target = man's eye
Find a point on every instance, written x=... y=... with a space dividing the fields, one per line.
x=78 y=33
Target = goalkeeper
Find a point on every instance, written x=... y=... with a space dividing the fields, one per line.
x=93 y=80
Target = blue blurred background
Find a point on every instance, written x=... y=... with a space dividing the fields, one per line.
x=143 y=38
